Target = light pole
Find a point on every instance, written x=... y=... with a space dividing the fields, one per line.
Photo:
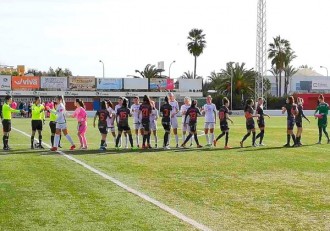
x=326 y=69
x=102 y=66
x=169 y=69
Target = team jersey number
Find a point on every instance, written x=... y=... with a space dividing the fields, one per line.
x=103 y=116
x=248 y=115
x=221 y=115
x=193 y=116
x=123 y=115
x=145 y=112
x=166 y=113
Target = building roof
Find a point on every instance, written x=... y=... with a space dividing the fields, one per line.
x=307 y=72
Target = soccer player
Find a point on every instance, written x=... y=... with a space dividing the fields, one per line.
x=6 y=120
x=292 y=110
x=223 y=117
x=322 y=122
x=153 y=121
x=193 y=113
x=136 y=120
x=299 y=117
x=210 y=112
x=81 y=116
x=261 y=120
x=174 y=118
x=119 y=104
x=122 y=121
x=52 y=126
x=37 y=110
x=111 y=120
x=61 y=125
x=102 y=116
x=183 y=111
x=250 y=125
x=145 y=111
x=166 y=109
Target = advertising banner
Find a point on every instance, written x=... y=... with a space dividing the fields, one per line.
x=109 y=83
x=25 y=82
x=130 y=83
x=54 y=82
x=5 y=82
x=190 y=84
x=82 y=83
x=323 y=84
x=162 y=84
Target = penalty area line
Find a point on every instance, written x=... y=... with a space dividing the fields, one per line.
x=153 y=201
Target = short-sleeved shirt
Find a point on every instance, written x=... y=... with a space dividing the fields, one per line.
x=122 y=114
x=223 y=114
x=193 y=113
x=183 y=110
x=291 y=111
x=260 y=111
x=145 y=112
x=135 y=111
x=210 y=111
x=175 y=108
x=249 y=115
x=103 y=114
x=37 y=111
x=7 y=110
x=323 y=108
x=166 y=109
x=300 y=113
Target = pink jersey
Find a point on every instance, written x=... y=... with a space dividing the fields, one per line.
x=80 y=114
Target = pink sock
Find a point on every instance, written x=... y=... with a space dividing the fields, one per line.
x=84 y=140
x=81 y=140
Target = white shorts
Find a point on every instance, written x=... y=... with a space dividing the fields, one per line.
x=209 y=125
x=174 y=122
x=153 y=126
x=61 y=126
x=185 y=127
x=111 y=129
x=137 y=126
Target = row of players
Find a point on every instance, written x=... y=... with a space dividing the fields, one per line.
x=145 y=116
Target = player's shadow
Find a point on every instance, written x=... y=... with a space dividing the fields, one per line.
x=261 y=149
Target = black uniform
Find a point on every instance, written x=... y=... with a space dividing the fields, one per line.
x=291 y=111
x=192 y=112
x=261 y=119
x=223 y=118
x=145 y=111
x=166 y=109
x=103 y=114
x=249 y=118
x=300 y=116
x=122 y=115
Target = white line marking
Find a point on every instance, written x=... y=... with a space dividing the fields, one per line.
x=164 y=207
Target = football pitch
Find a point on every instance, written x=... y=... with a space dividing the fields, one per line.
x=252 y=188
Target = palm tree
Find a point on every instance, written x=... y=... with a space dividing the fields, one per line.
x=243 y=81
x=196 y=45
x=289 y=72
x=277 y=52
x=187 y=75
x=149 y=72
x=275 y=73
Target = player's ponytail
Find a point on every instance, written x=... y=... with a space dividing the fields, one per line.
x=103 y=105
x=109 y=104
x=81 y=104
x=194 y=103
x=124 y=103
x=166 y=99
x=146 y=99
x=225 y=100
x=247 y=104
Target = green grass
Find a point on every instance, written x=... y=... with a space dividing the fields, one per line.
x=264 y=188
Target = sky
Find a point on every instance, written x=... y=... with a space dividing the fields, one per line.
x=129 y=34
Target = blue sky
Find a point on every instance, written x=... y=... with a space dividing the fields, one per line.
x=128 y=34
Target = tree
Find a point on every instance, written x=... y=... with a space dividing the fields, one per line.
x=275 y=73
x=278 y=52
x=243 y=82
x=289 y=72
x=149 y=72
x=196 y=45
x=187 y=75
